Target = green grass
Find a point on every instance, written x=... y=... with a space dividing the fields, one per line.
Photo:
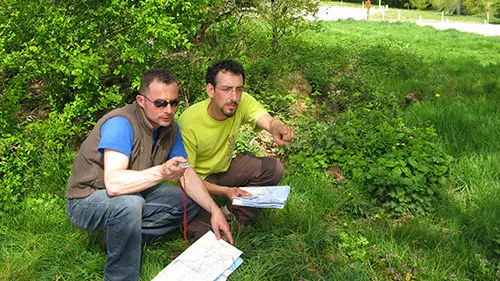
x=476 y=174
x=309 y=239
x=468 y=126
x=316 y=237
x=461 y=65
x=39 y=243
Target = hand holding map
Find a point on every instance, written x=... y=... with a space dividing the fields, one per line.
x=263 y=197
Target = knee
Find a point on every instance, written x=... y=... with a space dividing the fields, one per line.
x=273 y=169
x=128 y=208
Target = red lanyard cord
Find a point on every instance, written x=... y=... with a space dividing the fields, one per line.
x=185 y=222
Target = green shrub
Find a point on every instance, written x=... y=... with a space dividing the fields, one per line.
x=64 y=64
x=398 y=168
x=15 y=171
x=245 y=142
x=284 y=17
x=420 y=4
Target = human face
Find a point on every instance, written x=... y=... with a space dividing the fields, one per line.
x=159 y=116
x=226 y=95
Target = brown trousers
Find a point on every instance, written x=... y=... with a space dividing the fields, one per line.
x=245 y=170
x=248 y=170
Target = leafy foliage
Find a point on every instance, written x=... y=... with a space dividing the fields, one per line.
x=284 y=16
x=420 y=4
x=398 y=168
x=482 y=7
x=245 y=142
x=471 y=7
x=448 y=6
x=65 y=64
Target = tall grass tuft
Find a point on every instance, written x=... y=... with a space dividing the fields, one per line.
x=467 y=126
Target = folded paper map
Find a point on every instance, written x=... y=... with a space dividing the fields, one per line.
x=208 y=259
x=263 y=197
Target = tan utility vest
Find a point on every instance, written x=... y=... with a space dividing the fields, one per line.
x=87 y=174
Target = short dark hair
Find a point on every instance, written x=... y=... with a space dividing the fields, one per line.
x=224 y=65
x=160 y=75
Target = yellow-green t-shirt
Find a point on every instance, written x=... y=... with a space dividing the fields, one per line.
x=210 y=143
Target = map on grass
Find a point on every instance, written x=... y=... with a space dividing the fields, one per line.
x=207 y=259
x=263 y=197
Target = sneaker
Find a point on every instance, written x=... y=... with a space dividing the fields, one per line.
x=228 y=214
x=199 y=225
x=244 y=215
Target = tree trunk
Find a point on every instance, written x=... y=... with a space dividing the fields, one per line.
x=275 y=8
x=459 y=7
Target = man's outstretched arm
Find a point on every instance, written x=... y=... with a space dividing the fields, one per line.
x=119 y=180
x=197 y=191
x=282 y=134
x=226 y=191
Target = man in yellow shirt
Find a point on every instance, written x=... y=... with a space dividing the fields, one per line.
x=209 y=130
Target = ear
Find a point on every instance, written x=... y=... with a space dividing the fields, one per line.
x=140 y=100
x=210 y=90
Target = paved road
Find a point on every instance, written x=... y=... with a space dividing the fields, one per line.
x=334 y=13
x=484 y=29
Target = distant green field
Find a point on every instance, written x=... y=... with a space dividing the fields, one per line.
x=415 y=15
x=408 y=15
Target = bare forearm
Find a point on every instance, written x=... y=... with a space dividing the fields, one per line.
x=196 y=190
x=120 y=182
x=217 y=190
x=265 y=122
x=118 y=179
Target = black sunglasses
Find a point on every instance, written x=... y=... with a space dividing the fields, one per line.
x=163 y=103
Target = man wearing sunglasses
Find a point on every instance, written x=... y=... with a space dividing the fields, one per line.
x=117 y=181
x=209 y=129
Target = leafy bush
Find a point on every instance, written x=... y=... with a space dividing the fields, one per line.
x=398 y=168
x=64 y=64
x=284 y=17
x=245 y=142
x=420 y=4
x=471 y=7
x=448 y=6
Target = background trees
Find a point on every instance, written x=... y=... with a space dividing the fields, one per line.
x=63 y=64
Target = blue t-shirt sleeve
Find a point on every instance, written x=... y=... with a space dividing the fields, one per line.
x=117 y=134
x=178 y=149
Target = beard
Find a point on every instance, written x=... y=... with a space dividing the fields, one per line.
x=230 y=112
